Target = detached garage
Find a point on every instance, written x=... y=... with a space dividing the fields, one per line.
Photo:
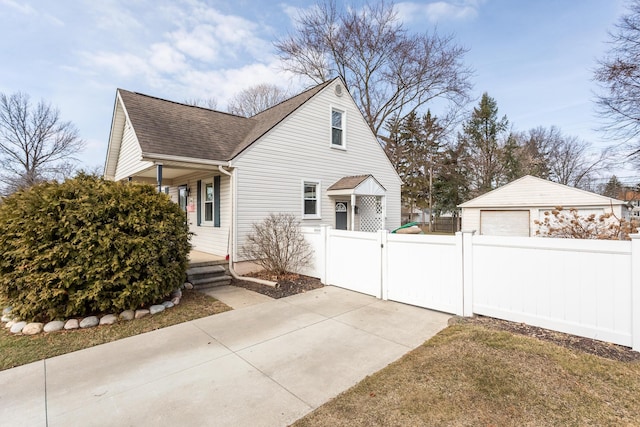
x=511 y=210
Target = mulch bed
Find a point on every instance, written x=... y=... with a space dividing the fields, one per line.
x=587 y=345
x=286 y=285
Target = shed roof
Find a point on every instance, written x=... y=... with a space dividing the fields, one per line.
x=170 y=128
x=533 y=191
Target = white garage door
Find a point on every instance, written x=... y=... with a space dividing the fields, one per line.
x=504 y=223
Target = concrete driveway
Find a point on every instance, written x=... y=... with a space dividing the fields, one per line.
x=263 y=365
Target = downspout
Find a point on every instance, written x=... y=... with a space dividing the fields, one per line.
x=231 y=236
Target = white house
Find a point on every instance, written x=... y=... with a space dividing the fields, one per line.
x=511 y=210
x=312 y=155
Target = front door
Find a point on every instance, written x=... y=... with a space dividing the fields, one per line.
x=341 y=216
x=182 y=197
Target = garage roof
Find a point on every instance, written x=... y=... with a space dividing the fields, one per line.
x=532 y=191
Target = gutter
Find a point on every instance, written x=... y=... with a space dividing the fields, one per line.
x=151 y=157
x=231 y=235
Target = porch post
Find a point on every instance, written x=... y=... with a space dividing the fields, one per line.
x=159 y=176
x=353 y=212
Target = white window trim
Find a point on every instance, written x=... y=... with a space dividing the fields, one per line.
x=318 y=184
x=344 y=129
x=203 y=199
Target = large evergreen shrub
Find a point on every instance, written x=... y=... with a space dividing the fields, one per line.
x=88 y=245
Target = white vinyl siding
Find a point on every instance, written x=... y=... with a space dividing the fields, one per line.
x=129 y=158
x=270 y=172
x=338 y=135
x=311 y=199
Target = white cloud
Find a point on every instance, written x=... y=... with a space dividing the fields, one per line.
x=124 y=65
x=112 y=16
x=27 y=10
x=166 y=59
x=199 y=43
x=222 y=84
x=439 y=10
x=23 y=8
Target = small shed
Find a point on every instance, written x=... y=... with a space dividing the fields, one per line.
x=511 y=210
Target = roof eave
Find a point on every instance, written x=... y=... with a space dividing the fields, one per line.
x=159 y=158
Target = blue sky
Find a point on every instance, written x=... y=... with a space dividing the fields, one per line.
x=536 y=58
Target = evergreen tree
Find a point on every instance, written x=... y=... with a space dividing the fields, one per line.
x=414 y=147
x=451 y=187
x=613 y=188
x=481 y=137
x=513 y=160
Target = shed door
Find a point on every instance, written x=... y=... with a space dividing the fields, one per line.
x=504 y=223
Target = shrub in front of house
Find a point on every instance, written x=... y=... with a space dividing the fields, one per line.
x=277 y=244
x=88 y=245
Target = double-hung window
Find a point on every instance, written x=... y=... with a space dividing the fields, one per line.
x=311 y=199
x=337 y=128
x=209 y=202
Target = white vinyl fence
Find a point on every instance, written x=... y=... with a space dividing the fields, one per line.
x=588 y=288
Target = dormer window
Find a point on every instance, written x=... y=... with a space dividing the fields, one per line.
x=337 y=128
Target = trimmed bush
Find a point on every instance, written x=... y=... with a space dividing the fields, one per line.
x=278 y=245
x=87 y=246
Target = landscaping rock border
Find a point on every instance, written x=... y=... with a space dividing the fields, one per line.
x=19 y=327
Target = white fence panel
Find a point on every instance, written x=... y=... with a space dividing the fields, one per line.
x=425 y=271
x=580 y=287
x=315 y=239
x=354 y=261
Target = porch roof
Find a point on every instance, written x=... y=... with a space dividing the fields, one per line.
x=359 y=185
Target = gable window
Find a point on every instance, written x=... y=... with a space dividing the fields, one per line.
x=337 y=128
x=311 y=199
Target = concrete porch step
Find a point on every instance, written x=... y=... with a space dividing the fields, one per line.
x=206 y=270
x=210 y=282
x=208 y=274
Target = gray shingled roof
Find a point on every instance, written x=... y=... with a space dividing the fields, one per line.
x=348 y=182
x=171 y=128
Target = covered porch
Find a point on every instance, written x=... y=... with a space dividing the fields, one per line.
x=202 y=190
x=359 y=203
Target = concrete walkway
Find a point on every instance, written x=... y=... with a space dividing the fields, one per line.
x=236 y=297
x=264 y=365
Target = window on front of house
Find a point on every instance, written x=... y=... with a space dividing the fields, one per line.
x=208 y=202
x=337 y=128
x=311 y=202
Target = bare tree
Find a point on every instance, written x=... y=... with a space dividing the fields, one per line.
x=210 y=103
x=573 y=162
x=389 y=72
x=255 y=99
x=619 y=75
x=35 y=144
